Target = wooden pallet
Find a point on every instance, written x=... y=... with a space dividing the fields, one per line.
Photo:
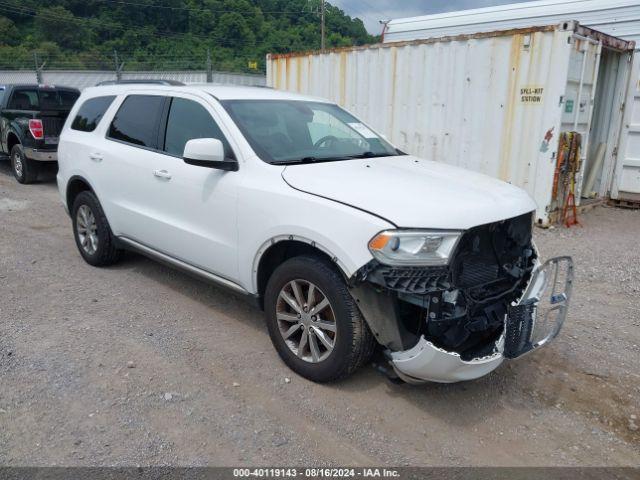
x=635 y=204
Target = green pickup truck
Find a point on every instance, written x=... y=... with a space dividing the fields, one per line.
x=31 y=119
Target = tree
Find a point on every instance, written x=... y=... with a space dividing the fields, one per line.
x=9 y=34
x=59 y=25
x=85 y=32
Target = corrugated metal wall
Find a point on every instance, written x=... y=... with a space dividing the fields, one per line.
x=615 y=17
x=82 y=79
x=620 y=18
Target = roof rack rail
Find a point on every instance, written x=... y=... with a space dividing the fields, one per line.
x=134 y=82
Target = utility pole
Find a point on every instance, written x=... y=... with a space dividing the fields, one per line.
x=209 y=69
x=322 y=26
x=38 y=68
x=119 y=66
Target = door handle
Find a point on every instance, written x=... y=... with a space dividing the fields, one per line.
x=96 y=157
x=162 y=174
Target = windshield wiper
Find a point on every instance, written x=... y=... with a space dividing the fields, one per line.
x=299 y=160
x=370 y=155
x=333 y=159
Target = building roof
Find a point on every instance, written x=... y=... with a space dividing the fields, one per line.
x=620 y=18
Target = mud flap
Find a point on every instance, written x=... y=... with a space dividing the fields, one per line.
x=540 y=315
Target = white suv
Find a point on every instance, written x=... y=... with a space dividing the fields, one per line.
x=346 y=242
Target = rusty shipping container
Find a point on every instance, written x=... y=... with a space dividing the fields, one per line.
x=493 y=102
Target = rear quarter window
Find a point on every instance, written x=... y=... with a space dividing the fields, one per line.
x=137 y=120
x=24 y=99
x=91 y=112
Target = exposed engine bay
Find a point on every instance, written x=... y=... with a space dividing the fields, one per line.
x=459 y=308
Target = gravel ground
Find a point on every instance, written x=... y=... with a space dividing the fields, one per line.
x=141 y=365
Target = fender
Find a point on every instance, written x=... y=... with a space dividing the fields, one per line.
x=280 y=238
x=13 y=127
x=69 y=182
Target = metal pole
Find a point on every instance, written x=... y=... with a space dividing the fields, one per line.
x=322 y=26
x=209 y=69
x=38 y=68
x=118 y=65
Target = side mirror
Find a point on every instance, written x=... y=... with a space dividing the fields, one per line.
x=208 y=152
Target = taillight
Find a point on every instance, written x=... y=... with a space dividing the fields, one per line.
x=36 y=129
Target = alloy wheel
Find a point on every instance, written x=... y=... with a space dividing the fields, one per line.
x=306 y=321
x=17 y=164
x=87 y=229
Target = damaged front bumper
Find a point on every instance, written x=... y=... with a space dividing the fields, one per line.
x=531 y=323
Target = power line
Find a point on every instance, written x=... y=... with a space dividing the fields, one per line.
x=202 y=10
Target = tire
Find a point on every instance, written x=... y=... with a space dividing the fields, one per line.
x=24 y=170
x=87 y=215
x=353 y=342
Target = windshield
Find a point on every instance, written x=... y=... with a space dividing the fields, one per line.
x=289 y=132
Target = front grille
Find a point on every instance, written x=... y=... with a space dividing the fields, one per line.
x=52 y=126
x=494 y=254
x=477 y=271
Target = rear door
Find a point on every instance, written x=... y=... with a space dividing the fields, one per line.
x=577 y=113
x=626 y=182
x=125 y=158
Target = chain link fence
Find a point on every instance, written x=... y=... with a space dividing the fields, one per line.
x=88 y=78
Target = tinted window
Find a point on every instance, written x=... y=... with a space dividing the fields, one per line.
x=67 y=98
x=90 y=113
x=137 y=119
x=42 y=99
x=188 y=120
x=57 y=99
x=1 y=94
x=24 y=99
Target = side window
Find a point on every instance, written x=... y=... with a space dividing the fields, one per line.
x=137 y=119
x=188 y=120
x=24 y=99
x=91 y=113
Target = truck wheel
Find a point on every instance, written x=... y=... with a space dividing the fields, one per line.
x=25 y=170
x=314 y=322
x=94 y=238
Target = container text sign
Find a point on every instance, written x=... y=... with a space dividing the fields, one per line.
x=531 y=95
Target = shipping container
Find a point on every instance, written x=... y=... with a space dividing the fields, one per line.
x=495 y=102
x=614 y=17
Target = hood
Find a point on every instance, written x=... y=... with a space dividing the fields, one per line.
x=411 y=192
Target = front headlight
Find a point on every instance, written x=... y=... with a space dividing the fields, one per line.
x=414 y=247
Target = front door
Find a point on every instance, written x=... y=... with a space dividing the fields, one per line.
x=193 y=208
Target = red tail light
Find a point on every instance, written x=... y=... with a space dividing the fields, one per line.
x=36 y=129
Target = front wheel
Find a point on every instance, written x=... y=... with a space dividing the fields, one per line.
x=24 y=170
x=314 y=322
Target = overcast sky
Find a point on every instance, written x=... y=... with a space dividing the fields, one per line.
x=371 y=11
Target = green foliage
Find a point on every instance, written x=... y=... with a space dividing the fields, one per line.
x=85 y=33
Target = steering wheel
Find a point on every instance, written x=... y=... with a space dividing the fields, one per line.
x=329 y=139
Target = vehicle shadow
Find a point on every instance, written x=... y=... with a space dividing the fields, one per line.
x=483 y=398
x=194 y=288
x=47 y=174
